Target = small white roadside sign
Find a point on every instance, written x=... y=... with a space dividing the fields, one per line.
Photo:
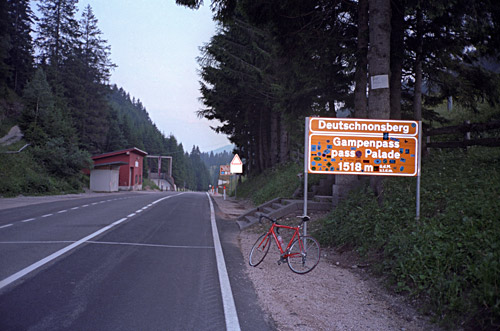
x=236 y=165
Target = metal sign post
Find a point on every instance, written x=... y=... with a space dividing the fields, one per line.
x=419 y=167
x=306 y=162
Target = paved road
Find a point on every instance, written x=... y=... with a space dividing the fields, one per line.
x=123 y=262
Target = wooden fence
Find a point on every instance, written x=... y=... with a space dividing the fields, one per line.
x=465 y=130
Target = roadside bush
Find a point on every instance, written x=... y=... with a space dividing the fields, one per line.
x=21 y=174
x=450 y=258
x=280 y=182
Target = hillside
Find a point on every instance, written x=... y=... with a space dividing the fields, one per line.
x=54 y=85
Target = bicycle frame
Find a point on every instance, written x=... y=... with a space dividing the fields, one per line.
x=296 y=235
x=296 y=254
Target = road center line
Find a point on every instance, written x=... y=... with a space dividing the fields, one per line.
x=46 y=215
x=232 y=322
x=5 y=226
x=28 y=220
x=9 y=280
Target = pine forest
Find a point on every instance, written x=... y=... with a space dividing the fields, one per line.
x=54 y=84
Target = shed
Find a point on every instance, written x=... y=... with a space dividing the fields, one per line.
x=105 y=177
x=127 y=163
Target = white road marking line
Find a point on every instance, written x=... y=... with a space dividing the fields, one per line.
x=147 y=245
x=28 y=220
x=62 y=211
x=232 y=322
x=131 y=215
x=46 y=215
x=85 y=206
x=36 y=242
x=95 y=203
x=12 y=278
x=75 y=208
x=55 y=255
x=6 y=226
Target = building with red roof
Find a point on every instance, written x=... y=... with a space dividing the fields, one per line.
x=119 y=170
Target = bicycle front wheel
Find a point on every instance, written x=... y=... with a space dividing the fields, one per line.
x=259 y=250
x=304 y=255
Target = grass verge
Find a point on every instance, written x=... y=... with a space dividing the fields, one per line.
x=450 y=258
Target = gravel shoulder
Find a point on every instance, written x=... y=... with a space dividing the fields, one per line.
x=337 y=295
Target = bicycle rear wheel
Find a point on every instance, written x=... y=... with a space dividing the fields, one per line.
x=259 y=250
x=304 y=255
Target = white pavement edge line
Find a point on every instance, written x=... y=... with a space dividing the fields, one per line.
x=60 y=252
x=230 y=314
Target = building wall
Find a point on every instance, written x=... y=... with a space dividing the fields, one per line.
x=130 y=175
x=104 y=180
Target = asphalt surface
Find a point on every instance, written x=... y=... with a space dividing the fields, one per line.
x=131 y=261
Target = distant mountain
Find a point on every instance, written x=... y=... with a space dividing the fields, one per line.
x=228 y=148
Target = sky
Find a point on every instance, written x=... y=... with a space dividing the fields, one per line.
x=155 y=44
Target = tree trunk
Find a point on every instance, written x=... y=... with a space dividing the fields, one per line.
x=265 y=134
x=397 y=55
x=379 y=67
x=344 y=183
x=360 y=100
x=274 y=139
x=260 y=137
x=417 y=97
x=284 y=147
x=379 y=56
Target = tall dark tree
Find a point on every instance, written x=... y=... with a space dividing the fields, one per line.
x=49 y=131
x=21 y=52
x=89 y=69
x=5 y=46
x=57 y=31
x=95 y=51
x=199 y=177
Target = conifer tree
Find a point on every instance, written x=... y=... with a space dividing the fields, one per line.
x=5 y=45
x=57 y=31
x=20 y=56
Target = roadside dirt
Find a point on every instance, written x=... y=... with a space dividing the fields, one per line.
x=337 y=295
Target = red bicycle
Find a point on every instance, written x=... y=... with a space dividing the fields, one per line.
x=301 y=254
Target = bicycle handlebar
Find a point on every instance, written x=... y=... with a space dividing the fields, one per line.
x=264 y=216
